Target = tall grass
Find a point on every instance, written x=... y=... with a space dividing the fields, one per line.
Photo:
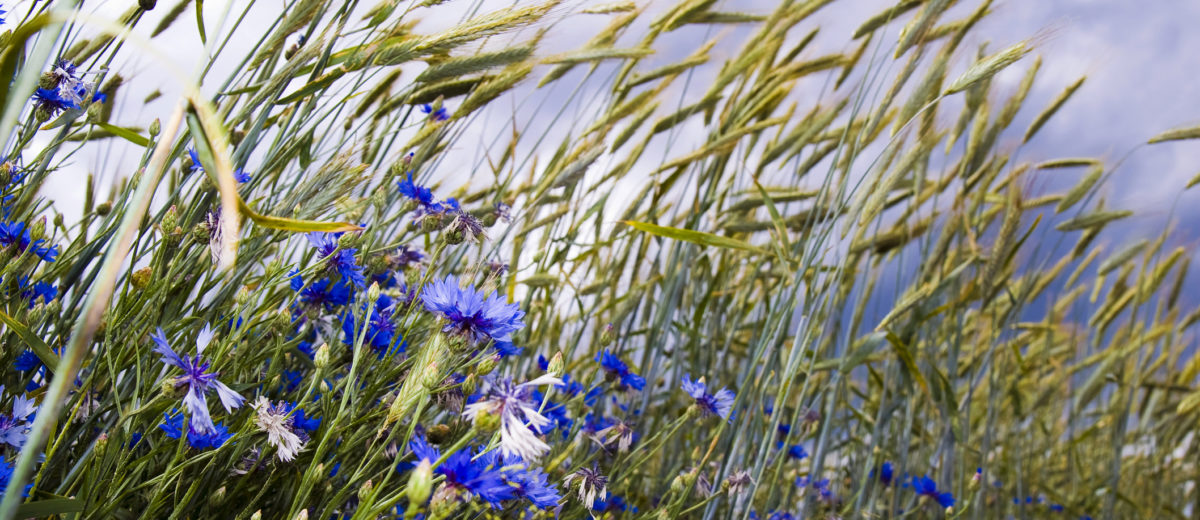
x=852 y=243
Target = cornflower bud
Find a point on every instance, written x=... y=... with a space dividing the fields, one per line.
x=607 y=335
x=141 y=278
x=155 y=127
x=364 y=491
x=373 y=292
x=321 y=358
x=487 y=421
x=104 y=208
x=242 y=297
x=257 y=515
x=302 y=515
x=486 y=366
x=38 y=230
x=555 y=367
x=420 y=483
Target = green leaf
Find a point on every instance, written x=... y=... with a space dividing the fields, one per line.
x=44 y=508
x=906 y=357
x=125 y=133
x=39 y=347
x=200 y=21
x=695 y=237
x=1177 y=134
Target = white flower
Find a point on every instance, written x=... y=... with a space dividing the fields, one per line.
x=517 y=414
x=276 y=421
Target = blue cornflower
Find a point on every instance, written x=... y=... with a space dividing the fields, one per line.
x=39 y=291
x=52 y=101
x=322 y=293
x=610 y=503
x=14 y=428
x=27 y=361
x=196 y=166
x=719 y=404
x=437 y=115
x=555 y=412
x=1057 y=508
x=338 y=260
x=469 y=313
x=304 y=422
x=17 y=234
x=885 y=474
x=6 y=467
x=795 y=451
x=99 y=97
x=213 y=439
x=2 y=20
x=477 y=473
x=197 y=380
x=241 y=176
x=421 y=194
x=617 y=370
x=531 y=484
x=380 y=329
x=925 y=486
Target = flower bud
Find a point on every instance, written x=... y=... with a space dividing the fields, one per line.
x=147 y=5
x=168 y=389
x=104 y=208
x=420 y=483
x=302 y=515
x=155 y=127
x=95 y=111
x=257 y=515
x=38 y=230
x=48 y=81
x=444 y=502
x=453 y=237
x=101 y=443
x=373 y=292
x=364 y=491
x=438 y=434
x=321 y=358
x=141 y=278
x=242 y=297
x=217 y=498
x=469 y=383
x=41 y=114
x=607 y=335
x=556 y=365
x=486 y=366
x=431 y=222
x=487 y=421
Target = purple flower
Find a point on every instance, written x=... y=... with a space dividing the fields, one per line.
x=197 y=379
x=518 y=413
x=719 y=404
x=338 y=260
x=469 y=313
x=925 y=486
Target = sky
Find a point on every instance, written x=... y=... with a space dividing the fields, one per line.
x=1138 y=57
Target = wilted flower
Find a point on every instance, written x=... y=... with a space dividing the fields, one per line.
x=738 y=481
x=592 y=485
x=280 y=428
x=197 y=379
x=517 y=413
x=719 y=404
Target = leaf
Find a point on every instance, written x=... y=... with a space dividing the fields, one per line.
x=200 y=21
x=44 y=508
x=906 y=357
x=125 y=133
x=784 y=247
x=39 y=347
x=1176 y=134
x=695 y=237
